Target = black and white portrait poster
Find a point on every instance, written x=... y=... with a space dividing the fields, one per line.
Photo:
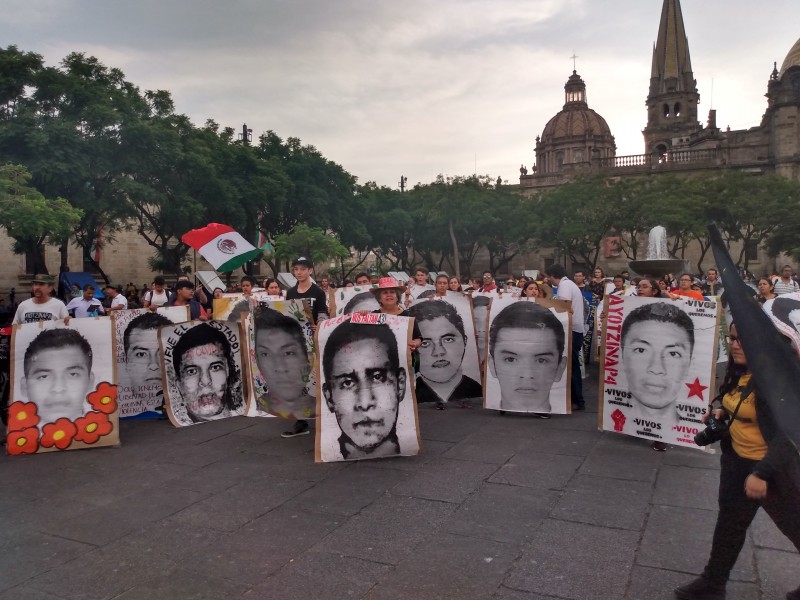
x=658 y=359
x=420 y=291
x=281 y=359
x=230 y=306
x=448 y=357
x=202 y=367
x=527 y=365
x=347 y=300
x=784 y=311
x=480 y=320
x=64 y=387
x=141 y=386
x=365 y=403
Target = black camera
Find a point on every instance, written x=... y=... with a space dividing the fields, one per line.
x=715 y=430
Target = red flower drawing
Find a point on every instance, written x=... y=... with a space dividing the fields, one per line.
x=92 y=427
x=104 y=398
x=23 y=442
x=58 y=434
x=22 y=415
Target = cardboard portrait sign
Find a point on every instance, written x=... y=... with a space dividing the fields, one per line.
x=141 y=385
x=658 y=360
x=528 y=363
x=202 y=368
x=64 y=392
x=347 y=300
x=230 y=307
x=365 y=402
x=280 y=354
x=481 y=303
x=784 y=311
x=448 y=357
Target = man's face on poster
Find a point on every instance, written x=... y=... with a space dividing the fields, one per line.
x=142 y=358
x=479 y=315
x=656 y=357
x=442 y=350
x=58 y=380
x=364 y=392
x=202 y=380
x=526 y=363
x=283 y=363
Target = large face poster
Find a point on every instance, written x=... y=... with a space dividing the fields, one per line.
x=346 y=301
x=658 y=361
x=230 y=307
x=480 y=320
x=527 y=365
x=202 y=367
x=281 y=357
x=448 y=356
x=141 y=387
x=365 y=403
x=785 y=314
x=64 y=392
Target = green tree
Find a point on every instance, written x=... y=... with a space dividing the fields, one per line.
x=311 y=242
x=31 y=219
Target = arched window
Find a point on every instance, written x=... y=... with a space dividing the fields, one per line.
x=666 y=110
x=677 y=111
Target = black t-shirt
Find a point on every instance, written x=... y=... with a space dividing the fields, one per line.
x=315 y=297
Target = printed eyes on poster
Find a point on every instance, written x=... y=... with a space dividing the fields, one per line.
x=64 y=392
x=658 y=366
x=138 y=358
x=280 y=354
x=366 y=405
x=528 y=362
x=202 y=369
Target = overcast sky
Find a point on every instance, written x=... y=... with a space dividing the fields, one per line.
x=413 y=87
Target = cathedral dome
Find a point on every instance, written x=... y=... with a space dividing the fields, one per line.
x=576 y=135
x=792 y=59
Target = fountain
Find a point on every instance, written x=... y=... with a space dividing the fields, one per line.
x=658 y=263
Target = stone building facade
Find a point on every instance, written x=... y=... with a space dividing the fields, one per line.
x=674 y=140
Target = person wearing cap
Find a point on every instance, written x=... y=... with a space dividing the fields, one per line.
x=389 y=294
x=118 y=299
x=87 y=305
x=41 y=306
x=306 y=289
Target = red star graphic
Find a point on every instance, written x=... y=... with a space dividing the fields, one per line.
x=696 y=389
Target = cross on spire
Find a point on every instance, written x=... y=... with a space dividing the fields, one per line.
x=574 y=58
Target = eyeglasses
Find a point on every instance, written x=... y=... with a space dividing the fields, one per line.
x=487 y=276
x=733 y=338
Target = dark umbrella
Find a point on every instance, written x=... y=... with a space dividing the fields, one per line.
x=772 y=361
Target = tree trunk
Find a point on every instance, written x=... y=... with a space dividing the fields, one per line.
x=455 y=251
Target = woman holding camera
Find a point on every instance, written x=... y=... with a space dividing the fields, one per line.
x=759 y=468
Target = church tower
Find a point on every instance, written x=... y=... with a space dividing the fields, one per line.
x=673 y=98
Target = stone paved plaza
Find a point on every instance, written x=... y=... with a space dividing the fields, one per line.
x=505 y=507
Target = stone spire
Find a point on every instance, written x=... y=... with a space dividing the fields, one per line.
x=673 y=98
x=672 y=65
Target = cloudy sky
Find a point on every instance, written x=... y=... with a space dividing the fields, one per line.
x=413 y=87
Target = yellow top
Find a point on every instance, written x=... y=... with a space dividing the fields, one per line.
x=745 y=434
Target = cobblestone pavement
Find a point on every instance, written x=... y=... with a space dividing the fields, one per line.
x=506 y=507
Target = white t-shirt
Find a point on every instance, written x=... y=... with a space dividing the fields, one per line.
x=121 y=301
x=156 y=299
x=567 y=290
x=30 y=312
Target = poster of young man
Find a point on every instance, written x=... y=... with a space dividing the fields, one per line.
x=658 y=359
x=448 y=358
x=281 y=359
x=528 y=366
x=64 y=392
x=346 y=301
x=202 y=366
x=480 y=320
x=365 y=403
x=141 y=386
x=784 y=311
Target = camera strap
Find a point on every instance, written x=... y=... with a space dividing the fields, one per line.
x=745 y=392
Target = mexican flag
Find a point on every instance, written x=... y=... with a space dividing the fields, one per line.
x=221 y=245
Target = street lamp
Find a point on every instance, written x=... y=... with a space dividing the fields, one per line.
x=247 y=134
